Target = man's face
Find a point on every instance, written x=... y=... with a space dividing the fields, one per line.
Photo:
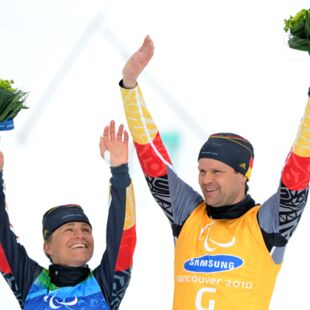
x=221 y=185
x=71 y=244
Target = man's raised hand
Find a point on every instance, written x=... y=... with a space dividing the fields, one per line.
x=137 y=62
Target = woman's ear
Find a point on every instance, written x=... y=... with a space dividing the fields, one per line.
x=46 y=248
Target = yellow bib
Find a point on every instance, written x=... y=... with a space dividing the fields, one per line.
x=223 y=264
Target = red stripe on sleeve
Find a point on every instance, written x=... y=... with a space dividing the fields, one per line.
x=295 y=175
x=4 y=265
x=151 y=164
x=127 y=247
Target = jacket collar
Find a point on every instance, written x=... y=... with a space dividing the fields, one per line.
x=67 y=276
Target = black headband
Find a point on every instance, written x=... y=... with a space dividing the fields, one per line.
x=231 y=149
x=58 y=216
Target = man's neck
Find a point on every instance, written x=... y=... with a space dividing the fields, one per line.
x=231 y=211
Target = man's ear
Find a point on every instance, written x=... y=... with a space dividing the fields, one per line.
x=245 y=179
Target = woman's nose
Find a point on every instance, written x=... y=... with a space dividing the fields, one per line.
x=78 y=233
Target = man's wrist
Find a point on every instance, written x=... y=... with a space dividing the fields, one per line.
x=127 y=84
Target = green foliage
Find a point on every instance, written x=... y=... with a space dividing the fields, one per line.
x=298 y=27
x=12 y=100
x=7 y=84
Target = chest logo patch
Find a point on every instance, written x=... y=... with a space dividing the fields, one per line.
x=55 y=302
x=213 y=263
x=210 y=244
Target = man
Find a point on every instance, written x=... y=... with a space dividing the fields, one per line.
x=69 y=244
x=228 y=249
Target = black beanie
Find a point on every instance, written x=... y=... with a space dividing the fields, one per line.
x=231 y=149
x=58 y=216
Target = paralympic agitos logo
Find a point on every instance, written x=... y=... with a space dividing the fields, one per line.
x=56 y=302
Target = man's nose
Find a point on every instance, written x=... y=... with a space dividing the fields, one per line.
x=208 y=177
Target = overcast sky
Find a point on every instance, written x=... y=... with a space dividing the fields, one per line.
x=218 y=66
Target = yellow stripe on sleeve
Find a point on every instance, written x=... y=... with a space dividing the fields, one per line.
x=140 y=122
x=130 y=217
x=302 y=143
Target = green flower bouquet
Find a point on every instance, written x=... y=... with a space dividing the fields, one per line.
x=298 y=27
x=12 y=100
